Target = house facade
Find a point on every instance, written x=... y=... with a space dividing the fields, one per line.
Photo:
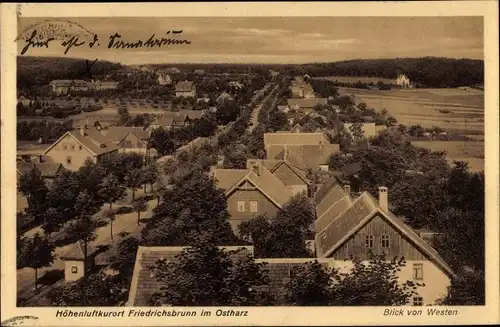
x=164 y=79
x=403 y=81
x=185 y=89
x=75 y=147
x=66 y=86
x=130 y=139
x=251 y=193
x=362 y=225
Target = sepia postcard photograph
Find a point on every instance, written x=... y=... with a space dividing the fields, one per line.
x=250 y=164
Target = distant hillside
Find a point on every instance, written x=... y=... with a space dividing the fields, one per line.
x=428 y=71
x=37 y=71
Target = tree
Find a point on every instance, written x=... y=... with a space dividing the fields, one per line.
x=285 y=235
x=111 y=190
x=124 y=114
x=36 y=253
x=33 y=187
x=310 y=285
x=83 y=229
x=193 y=205
x=125 y=259
x=206 y=275
x=94 y=290
x=62 y=196
x=467 y=289
x=357 y=131
x=149 y=175
x=139 y=205
x=373 y=283
x=111 y=216
x=134 y=179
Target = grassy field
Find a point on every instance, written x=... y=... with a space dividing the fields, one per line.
x=458 y=109
x=354 y=79
x=472 y=152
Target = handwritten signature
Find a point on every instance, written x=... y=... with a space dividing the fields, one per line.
x=115 y=42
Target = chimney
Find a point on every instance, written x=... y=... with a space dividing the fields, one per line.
x=347 y=189
x=256 y=168
x=382 y=198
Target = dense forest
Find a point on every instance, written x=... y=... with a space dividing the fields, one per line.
x=424 y=72
x=38 y=71
x=427 y=71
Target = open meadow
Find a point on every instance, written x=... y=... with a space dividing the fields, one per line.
x=355 y=79
x=455 y=109
x=472 y=151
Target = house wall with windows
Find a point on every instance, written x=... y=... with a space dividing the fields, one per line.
x=70 y=153
x=423 y=272
x=248 y=204
x=131 y=143
x=384 y=239
x=73 y=270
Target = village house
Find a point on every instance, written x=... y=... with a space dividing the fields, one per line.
x=76 y=146
x=130 y=139
x=164 y=79
x=223 y=97
x=235 y=85
x=303 y=150
x=358 y=226
x=66 y=86
x=174 y=119
x=103 y=85
x=144 y=283
x=306 y=105
x=185 y=89
x=273 y=74
x=251 y=192
x=48 y=172
x=75 y=265
x=403 y=81
x=295 y=179
x=199 y=72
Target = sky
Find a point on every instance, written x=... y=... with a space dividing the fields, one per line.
x=269 y=39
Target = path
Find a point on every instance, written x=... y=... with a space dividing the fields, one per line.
x=254 y=120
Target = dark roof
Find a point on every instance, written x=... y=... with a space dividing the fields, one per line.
x=76 y=251
x=323 y=191
x=278 y=270
x=303 y=156
x=92 y=139
x=144 y=283
x=116 y=134
x=351 y=169
x=333 y=195
x=346 y=224
x=46 y=169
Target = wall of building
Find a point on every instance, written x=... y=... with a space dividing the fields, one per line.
x=69 y=147
x=399 y=245
x=264 y=206
x=68 y=274
x=435 y=280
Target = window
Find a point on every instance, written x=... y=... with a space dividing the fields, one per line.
x=65 y=147
x=386 y=241
x=81 y=147
x=291 y=272
x=418 y=301
x=253 y=206
x=68 y=160
x=241 y=206
x=128 y=144
x=72 y=147
x=369 y=240
x=74 y=270
x=418 y=271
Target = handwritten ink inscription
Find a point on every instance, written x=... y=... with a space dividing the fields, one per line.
x=115 y=42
